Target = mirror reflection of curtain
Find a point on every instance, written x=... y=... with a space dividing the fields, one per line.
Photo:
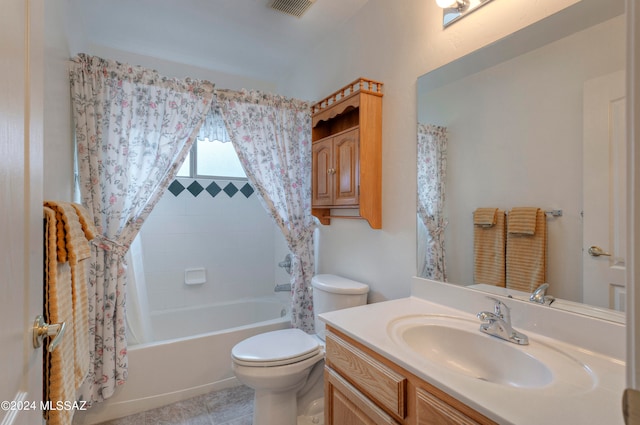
x=133 y=130
x=432 y=166
x=272 y=136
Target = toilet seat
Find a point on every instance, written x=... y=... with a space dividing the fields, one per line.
x=276 y=348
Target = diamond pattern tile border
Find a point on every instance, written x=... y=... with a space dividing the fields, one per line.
x=213 y=189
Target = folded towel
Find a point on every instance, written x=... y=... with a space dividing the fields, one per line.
x=59 y=369
x=78 y=249
x=485 y=217
x=489 y=251
x=86 y=221
x=522 y=220
x=68 y=231
x=527 y=256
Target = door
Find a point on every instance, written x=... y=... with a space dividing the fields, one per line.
x=21 y=92
x=345 y=152
x=604 y=192
x=322 y=177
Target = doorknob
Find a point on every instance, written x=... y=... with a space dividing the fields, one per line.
x=596 y=251
x=42 y=330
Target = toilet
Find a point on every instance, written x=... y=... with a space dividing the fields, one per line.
x=285 y=367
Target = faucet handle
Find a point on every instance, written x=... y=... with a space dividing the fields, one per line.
x=501 y=309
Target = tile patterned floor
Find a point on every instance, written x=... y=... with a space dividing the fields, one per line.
x=232 y=406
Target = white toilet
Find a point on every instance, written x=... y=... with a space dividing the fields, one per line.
x=285 y=368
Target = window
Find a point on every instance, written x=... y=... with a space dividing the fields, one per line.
x=213 y=159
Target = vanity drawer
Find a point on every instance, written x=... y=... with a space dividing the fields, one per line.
x=377 y=381
x=344 y=404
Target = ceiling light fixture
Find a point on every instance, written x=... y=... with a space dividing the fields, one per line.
x=454 y=10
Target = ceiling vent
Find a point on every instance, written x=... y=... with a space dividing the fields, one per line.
x=292 y=7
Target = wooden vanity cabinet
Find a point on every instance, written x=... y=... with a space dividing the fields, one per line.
x=362 y=387
x=347 y=153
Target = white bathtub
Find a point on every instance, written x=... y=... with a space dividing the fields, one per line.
x=194 y=358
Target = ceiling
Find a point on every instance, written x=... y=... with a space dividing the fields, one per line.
x=243 y=37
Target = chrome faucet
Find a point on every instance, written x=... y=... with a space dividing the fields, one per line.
x=498 y=324
x=540 y=295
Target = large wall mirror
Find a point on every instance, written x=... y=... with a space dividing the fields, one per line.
x=528 y=120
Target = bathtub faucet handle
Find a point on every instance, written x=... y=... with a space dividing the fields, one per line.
x=286 y=263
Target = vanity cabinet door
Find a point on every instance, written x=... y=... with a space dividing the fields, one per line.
x=430 y=410
x=345 y=405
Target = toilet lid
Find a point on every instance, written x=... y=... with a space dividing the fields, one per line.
x=276 y=348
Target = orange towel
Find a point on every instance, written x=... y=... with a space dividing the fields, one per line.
x=485 y=217
x=489 y=250
x=522 y=220
x=59 y=370
x=526 y=252
x=67 y=250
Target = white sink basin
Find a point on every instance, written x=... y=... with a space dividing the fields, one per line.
x=458 y=345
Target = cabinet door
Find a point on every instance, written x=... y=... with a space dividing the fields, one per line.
x=322 y=177
x=345 y=405
x=346 y=166
x=430 y=410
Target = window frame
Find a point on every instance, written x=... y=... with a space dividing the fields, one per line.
x=193 y=170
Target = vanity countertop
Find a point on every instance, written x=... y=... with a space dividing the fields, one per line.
x=596 y=403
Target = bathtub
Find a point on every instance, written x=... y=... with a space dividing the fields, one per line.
x=191 y=355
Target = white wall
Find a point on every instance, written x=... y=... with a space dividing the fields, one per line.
x=515 y=139
x=58 y=136
x=395 y=44
x=232 y=238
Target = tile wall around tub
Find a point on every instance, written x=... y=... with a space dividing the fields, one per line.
x=219 y=225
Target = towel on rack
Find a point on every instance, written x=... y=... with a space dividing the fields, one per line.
x=522 y=220
x=489 y=250
x=68 y=229
x=485 y=217
x=59 y=369
x=526 y=252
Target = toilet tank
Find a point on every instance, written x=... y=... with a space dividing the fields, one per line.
x=331 y=292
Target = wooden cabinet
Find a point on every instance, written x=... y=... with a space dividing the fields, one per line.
x=347 y=153
x=430 y=410
x=335 y=168
x=362 y=387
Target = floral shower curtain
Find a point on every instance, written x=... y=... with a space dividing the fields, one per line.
x=432 y=167
x=272 y=136
x=133 y=130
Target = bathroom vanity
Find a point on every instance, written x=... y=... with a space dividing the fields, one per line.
x=423 y=360
x=363 y=387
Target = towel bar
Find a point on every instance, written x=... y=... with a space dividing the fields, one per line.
x=553 y=213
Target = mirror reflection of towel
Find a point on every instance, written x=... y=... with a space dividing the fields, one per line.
x=489 y=247
x=526 y=248
x=485 y=217
x=522 y=220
